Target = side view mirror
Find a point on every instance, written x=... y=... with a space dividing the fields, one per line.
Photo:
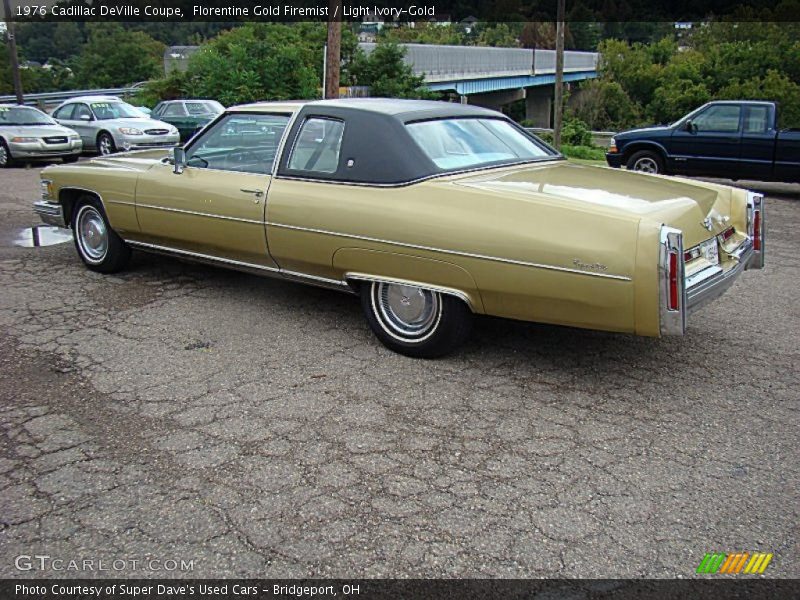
x=178 y=160
x=85 y=117
x=689 y=126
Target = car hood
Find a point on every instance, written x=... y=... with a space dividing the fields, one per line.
x=35 y=130
x=649 y=131
x=136 y=123
x=678 y=202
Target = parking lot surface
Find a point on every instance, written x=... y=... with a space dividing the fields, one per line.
x=254 y=427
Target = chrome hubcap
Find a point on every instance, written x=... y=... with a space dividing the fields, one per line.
x=3 y=155
x=646 y=165
x=92 y=234
x=406 y=312
x=105 y=145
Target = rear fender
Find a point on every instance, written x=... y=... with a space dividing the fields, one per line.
x=359 y=264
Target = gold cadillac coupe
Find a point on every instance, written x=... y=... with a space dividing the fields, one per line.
x=429 y=211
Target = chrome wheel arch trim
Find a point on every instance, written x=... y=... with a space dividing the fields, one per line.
x=353 y=276
x=509 y=261
x=86 y=190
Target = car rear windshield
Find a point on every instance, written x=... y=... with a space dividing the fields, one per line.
x=468 y=142
x=22 y=115
x=104 y=111
x=201 y=108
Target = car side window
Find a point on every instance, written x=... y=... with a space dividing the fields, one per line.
x=81 y=110
x=721 y=119
x=245 y=142
x=756 y=119
x=65 y=112
x=174 y=110
x=317 y=146
x=157 y=110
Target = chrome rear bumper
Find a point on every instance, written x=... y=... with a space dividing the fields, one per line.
x=51 y=213
x=713 y=287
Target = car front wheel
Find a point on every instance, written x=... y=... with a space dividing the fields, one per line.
x=105 y=144
x=646 y=161
x=99 y=247
x=415 y=321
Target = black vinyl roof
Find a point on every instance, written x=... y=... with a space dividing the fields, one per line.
x=376 y=147
x=409 y=110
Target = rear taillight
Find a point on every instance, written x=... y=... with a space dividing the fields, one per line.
x=757 y=230
x=727 y=234
x=674 y=283
x=672 y=286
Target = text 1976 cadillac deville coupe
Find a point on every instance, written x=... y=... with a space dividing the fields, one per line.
x=430 y=211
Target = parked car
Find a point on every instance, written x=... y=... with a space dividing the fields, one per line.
x=144 y=110
x=26 y=133
x=107 y=125
x=189 y=116
x=429 y=211
x=734 y=139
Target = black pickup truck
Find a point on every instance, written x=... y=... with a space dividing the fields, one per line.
x=732 y=139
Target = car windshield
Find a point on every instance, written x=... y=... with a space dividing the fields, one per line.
x=23 y=115
x=103 y=111
x=202 y=108
x=467 y=142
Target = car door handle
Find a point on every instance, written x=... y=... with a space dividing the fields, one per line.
x=256 y=193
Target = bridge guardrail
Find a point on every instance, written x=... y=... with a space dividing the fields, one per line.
x=599 y=138
x=49 y=99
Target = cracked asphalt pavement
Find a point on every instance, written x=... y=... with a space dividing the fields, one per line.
x=257 y=428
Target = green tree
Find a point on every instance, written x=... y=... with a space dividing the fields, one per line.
x=504 y=35
x=258 y=61
x=604 y=105
x=424 y=33
x=113 y=56
x=773 y=86
x=386 y=73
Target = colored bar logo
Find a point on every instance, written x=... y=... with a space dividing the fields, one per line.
x=735 y=563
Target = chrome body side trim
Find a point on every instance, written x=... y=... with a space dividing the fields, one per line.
x=198 y=213
x=400 y=184
x=316 y=280
x=673 y=322
x=242 y=266
x=236 y=264
x=434 y=288
x=452 y=252
x=704 y=292
x=51 y=213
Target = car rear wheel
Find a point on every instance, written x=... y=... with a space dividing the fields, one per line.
x=5 y=155
x=99 y=247
x=105 y=144
x=415 y=321
x=646 y=161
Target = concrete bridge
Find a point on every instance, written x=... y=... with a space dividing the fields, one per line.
x=481 y=75
x=494 y=77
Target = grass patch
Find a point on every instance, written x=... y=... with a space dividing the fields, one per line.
x=592 y=153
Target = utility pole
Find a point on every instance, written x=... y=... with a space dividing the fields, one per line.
x=559 y=99
x=12 y=52
x=333 y=50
